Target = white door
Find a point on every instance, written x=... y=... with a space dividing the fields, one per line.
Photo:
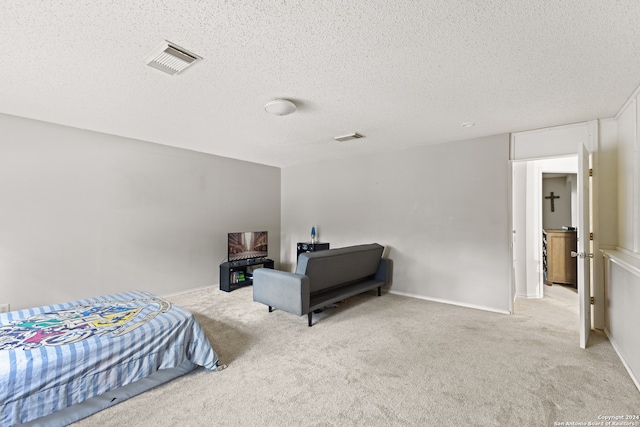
x=584 y=245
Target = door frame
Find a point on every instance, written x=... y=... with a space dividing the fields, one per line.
x=584 y=251
x=535 y=174
x=558 y=141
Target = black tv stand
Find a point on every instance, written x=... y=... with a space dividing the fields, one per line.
x=235 y=274
x=302 y=247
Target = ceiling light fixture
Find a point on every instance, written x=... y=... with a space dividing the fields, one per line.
x=348 y=137
x=468 y=124
x=280 y=107
x=170 y=58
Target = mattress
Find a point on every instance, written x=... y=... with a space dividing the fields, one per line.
x=56 y=356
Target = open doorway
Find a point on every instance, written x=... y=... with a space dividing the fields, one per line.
x=559 y=235
x=534 y=181
x=574 y=144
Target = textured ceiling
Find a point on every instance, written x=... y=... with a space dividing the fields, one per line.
x=402 y=73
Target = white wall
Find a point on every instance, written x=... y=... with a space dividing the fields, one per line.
x=606 y=209
x=627 y=178
x=520 y=229
x=621 y=160
x=558 y=141
x=441 y=211
x=533 y=232
x=606 y=178
x=623 y=293
x=85 y=214
x=562 y=213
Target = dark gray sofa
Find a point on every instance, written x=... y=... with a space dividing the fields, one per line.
x=323 y=278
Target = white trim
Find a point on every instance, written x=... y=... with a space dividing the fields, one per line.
x=625 y=259
x=477 y=307
x=405 y=294
x=627 y=103
x=624 y=362
x=548 y=142
x=636 y=175
x=188 y=291
x=631 y=263
x=584 y=228
x=597 y=269
x=553 y=156
x=551 y=128
x=511 y=235
x=624 y=251
x=532 y=296
x=537 y=219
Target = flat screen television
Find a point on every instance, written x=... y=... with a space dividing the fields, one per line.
x=247 y=245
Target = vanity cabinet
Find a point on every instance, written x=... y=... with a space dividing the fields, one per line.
x=559 y=265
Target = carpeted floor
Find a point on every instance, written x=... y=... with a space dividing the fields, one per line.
x=389 y=361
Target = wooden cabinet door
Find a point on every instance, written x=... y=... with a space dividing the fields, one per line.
x=562 y=268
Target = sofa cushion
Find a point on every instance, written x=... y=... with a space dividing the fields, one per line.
x=335 y=267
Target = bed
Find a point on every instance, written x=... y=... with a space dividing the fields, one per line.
x=63 y=362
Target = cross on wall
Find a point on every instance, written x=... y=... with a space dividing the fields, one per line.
x=552 y=197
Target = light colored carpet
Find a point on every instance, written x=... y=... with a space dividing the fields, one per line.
x=389 y=361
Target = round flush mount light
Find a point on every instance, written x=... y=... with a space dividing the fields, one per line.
x=468 y=124
x=280 y=107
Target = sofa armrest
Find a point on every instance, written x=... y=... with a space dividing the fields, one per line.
x=282 y=290
x=385 y=271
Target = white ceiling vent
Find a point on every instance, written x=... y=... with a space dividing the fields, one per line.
x=348 y=137
x=171 y=59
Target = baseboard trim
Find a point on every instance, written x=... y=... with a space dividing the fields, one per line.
x=188 y=291
x=405 y=294
x=444 y=301
x=621 y=357
x=532 y=296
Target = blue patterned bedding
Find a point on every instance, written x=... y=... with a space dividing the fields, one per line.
x=55 y=356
